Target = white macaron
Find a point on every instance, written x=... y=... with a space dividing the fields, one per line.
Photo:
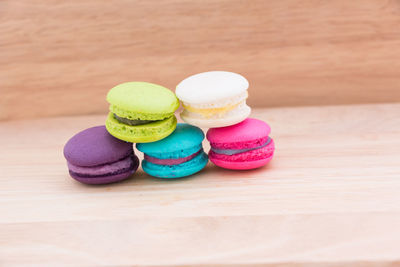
x=214 y=99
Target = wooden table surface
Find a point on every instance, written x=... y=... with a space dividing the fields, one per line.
x=331 y=196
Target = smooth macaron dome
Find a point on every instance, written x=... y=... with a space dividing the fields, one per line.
x=214 y=99
x=141 y=112
x=95 y=157
x=178 y=155
x=242 y=146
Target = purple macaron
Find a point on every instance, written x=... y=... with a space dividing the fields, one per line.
x=96 y=157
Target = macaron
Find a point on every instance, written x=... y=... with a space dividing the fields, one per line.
x=178 y=155
x=141 y=112
x=214 y=99
x=242 y=146
x=95 y=157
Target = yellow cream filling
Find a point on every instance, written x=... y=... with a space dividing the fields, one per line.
x=210 y=112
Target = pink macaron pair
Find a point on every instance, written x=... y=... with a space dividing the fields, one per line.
x=242 y=146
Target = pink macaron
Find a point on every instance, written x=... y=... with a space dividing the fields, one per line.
x=242 y=146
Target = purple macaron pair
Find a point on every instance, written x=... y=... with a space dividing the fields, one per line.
x=96 y=157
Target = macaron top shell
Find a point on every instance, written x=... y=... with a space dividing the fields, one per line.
x=143 y=97
x=246 y=131
x=95 y=146
x=212 y=86
x=184 y=137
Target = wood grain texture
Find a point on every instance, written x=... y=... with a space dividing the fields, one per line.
x=61 y=57
x=330 y=197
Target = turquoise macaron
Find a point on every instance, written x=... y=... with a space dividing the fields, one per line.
x=178 y=155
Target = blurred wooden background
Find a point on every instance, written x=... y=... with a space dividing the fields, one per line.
x=61 y=57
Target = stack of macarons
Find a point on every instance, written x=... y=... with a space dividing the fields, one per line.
x=217 y=100
x=143 y=113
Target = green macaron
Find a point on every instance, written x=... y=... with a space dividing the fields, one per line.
x=141 y=112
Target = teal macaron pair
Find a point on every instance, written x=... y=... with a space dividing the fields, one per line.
x=178 y=155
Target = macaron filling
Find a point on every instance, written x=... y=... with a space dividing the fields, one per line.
x=210 y=112
x=231 y=152
x=213 y=109
x=132 y=122
x=252 y=155
x=121 y=166
x=136 y=115
x=171 y=161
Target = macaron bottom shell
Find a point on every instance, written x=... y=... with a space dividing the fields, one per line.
x=176 y=171
x=237 y=165
x=108 y=178
x=103 y=180
x=144 y=133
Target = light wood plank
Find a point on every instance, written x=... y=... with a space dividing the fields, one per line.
x=330 y=197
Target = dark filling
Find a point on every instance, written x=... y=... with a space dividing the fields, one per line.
x=131 y=122
x=171 y=161
x=131 y=167
x=231 y=152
